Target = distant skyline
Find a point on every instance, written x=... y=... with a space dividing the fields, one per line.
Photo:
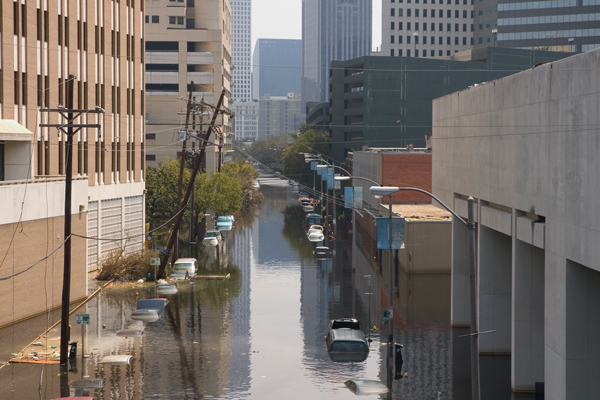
x=276 y=19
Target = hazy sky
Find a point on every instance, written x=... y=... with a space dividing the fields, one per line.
x=282 y=19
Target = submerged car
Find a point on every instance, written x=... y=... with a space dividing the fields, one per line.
x=211 y=238
x=225 y=222
x=308 y=208
x=183 y=267
x=149 y=310
x=315 y=233
x=347 y=345
x=351 y=323
x=322 y=252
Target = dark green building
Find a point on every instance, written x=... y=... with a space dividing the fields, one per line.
x=379 y=101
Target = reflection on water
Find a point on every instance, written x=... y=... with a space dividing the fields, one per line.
x=260 y=334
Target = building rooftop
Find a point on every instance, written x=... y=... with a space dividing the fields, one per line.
x=421 y=212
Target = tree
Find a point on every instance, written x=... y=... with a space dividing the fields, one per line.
x=245 y=174
x=161 y=191
x=220 y=192
x=307 y=141
x=268 y=151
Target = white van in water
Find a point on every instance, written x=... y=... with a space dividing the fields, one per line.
x=183 y=266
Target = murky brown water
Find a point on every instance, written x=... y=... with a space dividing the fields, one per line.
x=260 y=334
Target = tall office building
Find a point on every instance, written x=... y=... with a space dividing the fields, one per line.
x=279 y=115
x=277 y=67
x=426 y=30
x=562 y=25
x=185 y=42
x=99 y=44
x=331 y=30
x=241 y=49
x=246 y=120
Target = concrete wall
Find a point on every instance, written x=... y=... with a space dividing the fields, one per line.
x=527 y=148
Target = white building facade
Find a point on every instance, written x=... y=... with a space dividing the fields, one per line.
x=246 y=120
x=430 y=28
x=279 y=115
x=241 y=50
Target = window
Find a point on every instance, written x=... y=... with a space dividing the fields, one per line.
x=433 y=40
x=455 y=27
x=179 y=20
x=424 y=39
x=416 y=12
x=172 y=20
x=448 y=13
x=392 y=25
x=150 y=136
x=424 y=26
x=464 y=41
x=456 y=40
x=440 y=53
x=400 y=25
x=425 y=13
x=400 y=53
x=392 y=39
x=441 y=27
x=432 y=53
x=408 y=39
x=408 y=26
x=401 y=12
x=456 y=13
x=399 y=39
x=432 y=27
x=441 y=13
x=464 y=13
x=448 y=27
x=392 y=12
x=190 y=23
x=416 y=26
x=448 y=40
x=155 y=19
x=416 y=39
x=416 y=53
x=441 y=41
x=392 y=51
x=464 y=27
x=150 y=157
x=147 y=19
x=408 y=12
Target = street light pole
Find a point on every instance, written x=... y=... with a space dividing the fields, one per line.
x=391 y=281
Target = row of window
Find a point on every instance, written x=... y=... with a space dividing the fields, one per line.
x=432 y=14
x=190 y=23
x=442 y=1
x=536 y=5
x=432 y=26
x=432 y=40
x=572 y=33
x=423 y=53
x=549 y=19
x=189 y=3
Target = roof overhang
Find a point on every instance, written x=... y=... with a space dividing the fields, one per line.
x=12 y=131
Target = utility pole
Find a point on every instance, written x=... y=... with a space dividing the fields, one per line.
x=70 y=128
x=164 y=258
x=182 y=164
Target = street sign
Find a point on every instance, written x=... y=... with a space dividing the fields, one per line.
x=155 y=261
x=386 y=315
x=82 y=319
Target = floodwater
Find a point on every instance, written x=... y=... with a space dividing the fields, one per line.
x=260 y=334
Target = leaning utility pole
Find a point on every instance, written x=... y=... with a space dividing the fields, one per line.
x=178 y=205
x=197 y=162
x=70 y=115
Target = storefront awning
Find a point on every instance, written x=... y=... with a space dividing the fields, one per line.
x=12 y=131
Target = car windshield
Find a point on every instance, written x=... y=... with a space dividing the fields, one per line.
x=223 y=219
x=212 y=234
x=182 y=266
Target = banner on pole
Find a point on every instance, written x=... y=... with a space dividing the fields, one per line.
x=330 y=181
x=358 y=197
x=337 y=184
x=383 y=233
x=349 y=197
x=313 y=165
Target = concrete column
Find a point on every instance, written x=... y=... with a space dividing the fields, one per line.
x=582 y=332
x=495 y=288
x=460 y=308
x=527 y=317
x=555 y=319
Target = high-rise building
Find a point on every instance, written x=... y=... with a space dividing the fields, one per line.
x=277 y=67
x=99 y=45
x=241 y=49
x=246 y=120
x=331 y=30
x=426 y=30
x=185 y=42
x=279 y=115
x=563 y=25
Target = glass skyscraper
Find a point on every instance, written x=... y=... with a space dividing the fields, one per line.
x=557 y=25
x=331 y=30
x=276 y=67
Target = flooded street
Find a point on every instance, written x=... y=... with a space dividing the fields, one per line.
x=260 y=333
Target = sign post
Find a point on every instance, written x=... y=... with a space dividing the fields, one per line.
x=83 y=320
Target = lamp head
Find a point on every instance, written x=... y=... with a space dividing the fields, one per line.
x=341 y=178
x=383 y=190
